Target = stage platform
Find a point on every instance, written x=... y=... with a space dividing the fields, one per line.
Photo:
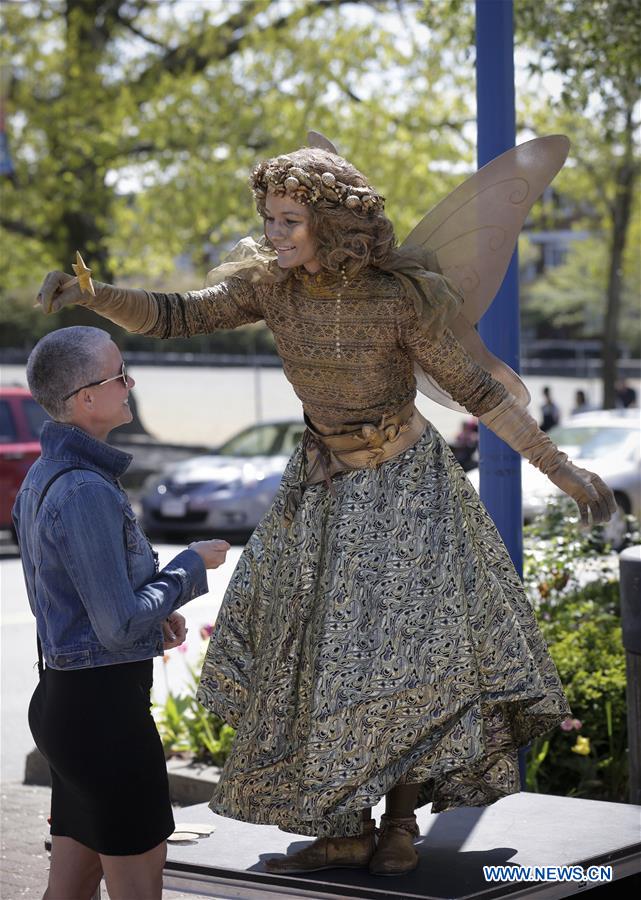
x=523 y=830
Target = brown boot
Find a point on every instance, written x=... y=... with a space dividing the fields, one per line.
x=328 y=853
x=395 y=853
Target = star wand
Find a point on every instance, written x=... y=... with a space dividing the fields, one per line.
x=82 y=279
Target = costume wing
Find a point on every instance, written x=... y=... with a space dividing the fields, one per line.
x=318 y=140
x=473 y=233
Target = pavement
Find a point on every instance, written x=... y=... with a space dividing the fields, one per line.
x=24 y=862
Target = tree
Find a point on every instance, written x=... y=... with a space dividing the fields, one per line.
x=570 y=298
x=595 y=47
x=133 y=124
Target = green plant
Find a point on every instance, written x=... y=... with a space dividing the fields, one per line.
x=187 y=728
x=574 y=589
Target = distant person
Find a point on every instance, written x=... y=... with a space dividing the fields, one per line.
x=103 y=611
x=581 y=403
x=466 y=444
x=626 y=395
x=549 y=410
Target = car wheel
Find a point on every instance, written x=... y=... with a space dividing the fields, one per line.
x=616 y=530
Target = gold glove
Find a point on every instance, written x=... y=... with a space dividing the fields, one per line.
x=133 y=310
x=514 y=425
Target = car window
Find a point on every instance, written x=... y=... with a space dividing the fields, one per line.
x=256 y=441
x=291 y=439
x=592 y=441
x=8 y=433
x=35 y=416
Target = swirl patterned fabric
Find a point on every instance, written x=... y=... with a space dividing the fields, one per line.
x=383 y=638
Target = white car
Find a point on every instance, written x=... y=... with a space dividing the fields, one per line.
x=607 y=442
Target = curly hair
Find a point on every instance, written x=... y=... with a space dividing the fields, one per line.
x=346 y=213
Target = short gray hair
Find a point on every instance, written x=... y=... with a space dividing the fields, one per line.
x=62 y=361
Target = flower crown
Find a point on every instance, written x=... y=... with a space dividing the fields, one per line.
x=283 y=175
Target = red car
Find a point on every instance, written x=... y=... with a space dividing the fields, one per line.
x=21 y=419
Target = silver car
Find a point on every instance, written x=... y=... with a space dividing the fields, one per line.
x=607 y=442
x=224 y=493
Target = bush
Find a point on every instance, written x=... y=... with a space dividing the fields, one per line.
x=187 y=728
x=574 y=589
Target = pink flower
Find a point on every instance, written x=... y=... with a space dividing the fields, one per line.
x=206 y=631
x=182 y=648
x=571 y=725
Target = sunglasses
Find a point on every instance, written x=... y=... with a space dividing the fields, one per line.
x=122 y=374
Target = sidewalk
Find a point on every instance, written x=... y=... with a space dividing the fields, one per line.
x=24 y=863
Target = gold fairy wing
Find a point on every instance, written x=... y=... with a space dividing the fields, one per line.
x=474 y=230
x=472 y=234
x=469 y=338
x=318 y=140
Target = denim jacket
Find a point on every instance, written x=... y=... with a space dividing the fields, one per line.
x=91 y=575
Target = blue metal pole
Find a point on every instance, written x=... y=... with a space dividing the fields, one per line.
x=500 y=466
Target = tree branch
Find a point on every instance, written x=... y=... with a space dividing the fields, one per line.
x=231 y=33
x=129 y=25
x=596 y=177
x=20 y=228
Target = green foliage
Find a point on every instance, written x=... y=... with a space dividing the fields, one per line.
x=185 y=727
x=572 y=297
x=593 y=47
x=133 y=126
x=575 y=591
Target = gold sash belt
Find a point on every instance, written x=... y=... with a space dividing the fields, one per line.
x=364 y=446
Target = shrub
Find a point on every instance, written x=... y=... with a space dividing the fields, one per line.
x=574 y=589
x=187 y=728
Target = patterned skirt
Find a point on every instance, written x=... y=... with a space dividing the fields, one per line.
x=383 y=638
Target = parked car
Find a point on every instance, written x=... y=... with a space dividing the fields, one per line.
x=607 y=442
x=21 y=420
x=225 y=492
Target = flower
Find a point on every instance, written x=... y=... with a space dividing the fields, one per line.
x=182 y=648
x=166 y=658
x=206 y=631
x=582 y=746
x=571 y=725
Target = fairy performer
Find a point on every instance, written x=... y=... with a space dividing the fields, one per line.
x=374 y=638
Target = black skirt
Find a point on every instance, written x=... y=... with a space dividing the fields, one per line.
x=109 y=778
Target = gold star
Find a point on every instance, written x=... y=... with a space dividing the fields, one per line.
x=84 y=275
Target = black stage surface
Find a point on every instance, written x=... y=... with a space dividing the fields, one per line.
x=519 y=831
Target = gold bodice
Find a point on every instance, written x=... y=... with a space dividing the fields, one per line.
x=350 y=361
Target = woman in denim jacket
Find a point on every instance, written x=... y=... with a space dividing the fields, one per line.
x=103 y=611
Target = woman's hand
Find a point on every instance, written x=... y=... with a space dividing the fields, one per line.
x=52 y=295
x=174 y=630
x=514 y=425
x=589 y=491
x=212 y=553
